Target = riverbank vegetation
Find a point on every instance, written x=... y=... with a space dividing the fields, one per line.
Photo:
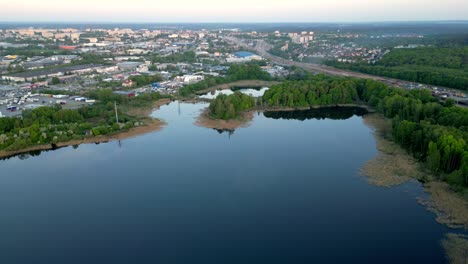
x=52 y=125
x=456 y=246
x=392 y=165
x=431 y=65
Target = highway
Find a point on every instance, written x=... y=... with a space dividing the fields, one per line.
x=261 y=48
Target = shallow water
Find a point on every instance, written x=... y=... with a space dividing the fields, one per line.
x=280 y=191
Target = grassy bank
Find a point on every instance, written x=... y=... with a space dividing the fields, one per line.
x=51 y=127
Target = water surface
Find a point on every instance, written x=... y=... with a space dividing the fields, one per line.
x=284 y=190
x=251 y=92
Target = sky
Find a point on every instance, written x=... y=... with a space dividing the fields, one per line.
x=231 y=11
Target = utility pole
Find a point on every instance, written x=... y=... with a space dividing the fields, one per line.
x=116 y=114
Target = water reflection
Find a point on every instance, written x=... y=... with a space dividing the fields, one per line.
x=334 y=113
x=230 y=132
x=25 y=156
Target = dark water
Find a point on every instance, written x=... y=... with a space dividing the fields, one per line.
x=279 y=191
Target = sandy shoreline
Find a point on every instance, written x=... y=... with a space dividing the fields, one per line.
x=204 y=120
x=150 y=125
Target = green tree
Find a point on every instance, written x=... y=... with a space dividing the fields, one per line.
x=55 y=80
x=433 y=157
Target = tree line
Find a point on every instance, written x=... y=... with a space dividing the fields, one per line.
x=436 y=66
x=315 y=92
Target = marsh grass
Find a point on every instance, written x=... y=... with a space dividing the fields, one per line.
x=394 y=166
x=456 y=248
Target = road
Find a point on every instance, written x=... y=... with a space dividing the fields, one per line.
x=262 y=49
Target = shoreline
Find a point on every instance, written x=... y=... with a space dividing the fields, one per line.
x=204 y=120
x=393 y=166
x=150 y=125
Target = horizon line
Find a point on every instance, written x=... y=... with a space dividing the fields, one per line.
x=239 y=22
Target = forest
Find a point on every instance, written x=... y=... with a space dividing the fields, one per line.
x=315 y=92
x=441 y=66
x=230 y=106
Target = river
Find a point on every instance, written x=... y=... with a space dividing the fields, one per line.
x=286 y=189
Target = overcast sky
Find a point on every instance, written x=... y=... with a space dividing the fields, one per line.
x=232 y=10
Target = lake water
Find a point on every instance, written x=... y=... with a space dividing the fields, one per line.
x=286 y=189
x=251 y=92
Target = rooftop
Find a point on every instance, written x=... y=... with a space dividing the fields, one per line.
x=243 y=54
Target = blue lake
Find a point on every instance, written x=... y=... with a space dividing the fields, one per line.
x=279 y=191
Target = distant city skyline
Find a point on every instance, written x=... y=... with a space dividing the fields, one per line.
x=232 y=11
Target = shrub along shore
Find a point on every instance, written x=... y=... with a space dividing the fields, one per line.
x=50 y=127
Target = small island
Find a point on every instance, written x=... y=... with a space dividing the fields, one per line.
x=228 y=112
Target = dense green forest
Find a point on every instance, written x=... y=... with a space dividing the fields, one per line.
x=230 y=106
x=248 y=71
x=437 y=66
x=433 y=132
x=50 y=125
x=319 y=91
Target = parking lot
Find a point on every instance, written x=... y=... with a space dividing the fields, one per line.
x=6 y=104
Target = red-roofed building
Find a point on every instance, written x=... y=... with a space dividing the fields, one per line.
x=127 y=83
x=67 y=47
